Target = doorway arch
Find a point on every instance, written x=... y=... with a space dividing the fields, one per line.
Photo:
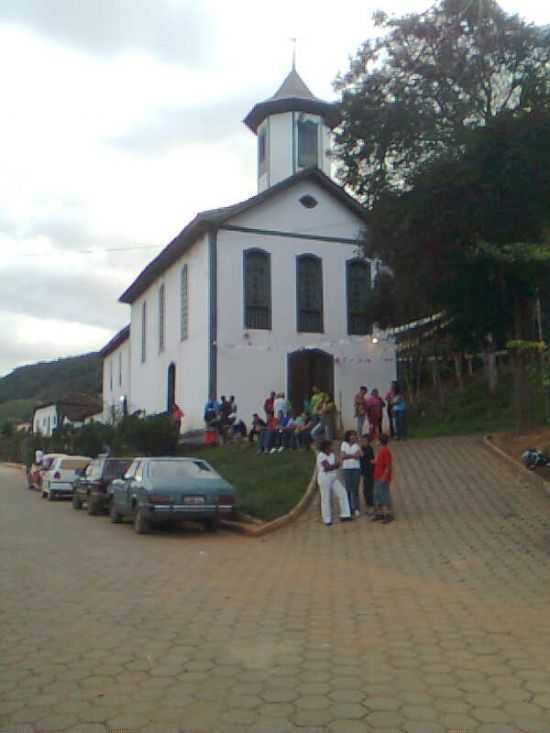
x=307 y=368
x=171 y=388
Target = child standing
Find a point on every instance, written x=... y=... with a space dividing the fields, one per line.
x=382 y=481
x=367 y=473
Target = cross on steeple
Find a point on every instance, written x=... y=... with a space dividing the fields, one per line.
x=293 y=41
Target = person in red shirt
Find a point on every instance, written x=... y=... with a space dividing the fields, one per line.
x=382 y=480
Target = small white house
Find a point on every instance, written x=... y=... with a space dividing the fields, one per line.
x=71 y=410
x=268 y=294
x=116 y=376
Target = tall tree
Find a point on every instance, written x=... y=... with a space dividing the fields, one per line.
x=415 y=92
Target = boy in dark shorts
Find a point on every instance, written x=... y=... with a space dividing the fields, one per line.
x=367 y=473
x=382 y=480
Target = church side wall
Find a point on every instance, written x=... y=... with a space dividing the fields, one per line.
x=149 y=380
x=251 y=363
x=116 y=380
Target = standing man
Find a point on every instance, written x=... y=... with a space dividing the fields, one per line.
x=269 y=406
x=382 y=480
x=360 y=409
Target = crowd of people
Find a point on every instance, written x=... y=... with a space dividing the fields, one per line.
x=356 y=466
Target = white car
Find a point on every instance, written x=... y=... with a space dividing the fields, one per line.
x=58 y=479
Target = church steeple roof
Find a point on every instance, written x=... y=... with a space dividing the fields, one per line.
x=293 y=86
x=292 y=96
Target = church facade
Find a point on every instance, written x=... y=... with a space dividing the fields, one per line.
x=269 y=294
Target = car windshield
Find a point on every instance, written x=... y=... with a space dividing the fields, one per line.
x=180 y=469
x=116 y=469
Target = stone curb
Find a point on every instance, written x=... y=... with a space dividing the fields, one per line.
x=258 y=530
x=519 y=468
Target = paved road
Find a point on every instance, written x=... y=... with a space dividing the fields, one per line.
x=438 y=622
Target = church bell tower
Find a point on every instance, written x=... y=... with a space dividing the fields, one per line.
x=293 y=130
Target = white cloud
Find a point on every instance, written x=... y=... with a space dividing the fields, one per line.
x=123 y=120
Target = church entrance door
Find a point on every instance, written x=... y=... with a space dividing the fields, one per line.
x=308 y=368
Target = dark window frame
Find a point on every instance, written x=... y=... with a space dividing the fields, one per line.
x=305 y=316
x=354 y=315
x=144 y=332
x=252 y=318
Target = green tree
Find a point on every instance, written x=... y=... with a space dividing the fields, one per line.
x=415 y=92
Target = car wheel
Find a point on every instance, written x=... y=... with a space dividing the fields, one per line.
x=92 y=506
x=116 y=517
x=77 y=503
x=211 y=525
x=141 y=523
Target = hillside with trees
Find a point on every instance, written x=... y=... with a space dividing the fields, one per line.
x=32 y=384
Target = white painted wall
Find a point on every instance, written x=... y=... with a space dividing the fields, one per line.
x=116 y=380
x=45 y=420
x=250 y=367
x=282 y=161
x=148 y=388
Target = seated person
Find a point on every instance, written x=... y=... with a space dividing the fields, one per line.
x=269 y=440
x=257 y=426
x=304 y=426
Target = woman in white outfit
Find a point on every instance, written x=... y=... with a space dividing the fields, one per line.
x=327 y=465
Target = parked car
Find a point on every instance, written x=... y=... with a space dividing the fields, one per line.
x=92 y=487
x=36 y=474
x=57 y=480
x=168 y=490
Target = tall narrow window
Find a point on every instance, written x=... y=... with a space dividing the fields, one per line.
x=358 y=284
x=143 y=331
x=162 y=319
x=184 y=302
x=307 y=143
x=120 y=369
x=309 y=293
x=257 y=289
x=111 y=373
x=262 y=150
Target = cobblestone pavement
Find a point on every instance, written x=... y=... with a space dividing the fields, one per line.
x=438 y=622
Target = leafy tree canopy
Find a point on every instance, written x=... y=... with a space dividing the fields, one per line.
x=415 y=92
x=470 y=236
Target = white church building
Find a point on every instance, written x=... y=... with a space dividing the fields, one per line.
x=267 y=294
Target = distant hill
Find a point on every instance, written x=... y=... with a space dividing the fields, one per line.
x=47 y=381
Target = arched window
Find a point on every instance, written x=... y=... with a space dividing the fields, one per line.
x=358 y=285
x=144 y=331
x=309 y=293
x=162 y=319
x=184 y=302
x=307 y=143
x=257 y=289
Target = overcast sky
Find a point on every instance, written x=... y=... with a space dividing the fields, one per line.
x=120 y=120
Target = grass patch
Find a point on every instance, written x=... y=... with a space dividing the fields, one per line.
x=472 y=411
x=267 y=486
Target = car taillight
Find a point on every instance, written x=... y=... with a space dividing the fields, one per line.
x=159 y=499
x=57 y=475
x=226 y=500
